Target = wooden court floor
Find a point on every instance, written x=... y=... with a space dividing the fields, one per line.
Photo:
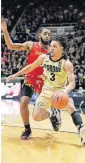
x=45 y=145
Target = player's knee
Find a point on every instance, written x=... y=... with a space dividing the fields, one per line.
x=37 y=114
x=24 y=102
x=36 y=117
x=70 y=108
x=71 y=101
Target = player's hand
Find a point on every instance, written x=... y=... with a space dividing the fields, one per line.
x=3 y=25
x=11 y=77
x=42 y=77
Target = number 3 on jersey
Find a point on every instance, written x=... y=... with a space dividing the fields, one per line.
x=52 y=77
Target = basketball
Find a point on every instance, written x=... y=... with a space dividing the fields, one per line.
x=59 y=100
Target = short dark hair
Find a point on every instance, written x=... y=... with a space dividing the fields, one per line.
x=62 y=41
x=38 y=32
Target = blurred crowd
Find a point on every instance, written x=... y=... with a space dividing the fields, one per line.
x=28 y=18
x=49 y=12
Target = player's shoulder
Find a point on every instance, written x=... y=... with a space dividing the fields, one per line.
x=68 y=66
x=68 y=62
x=28 y=44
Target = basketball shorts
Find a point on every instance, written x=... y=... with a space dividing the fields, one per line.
x=26 y=90
x=44 y=99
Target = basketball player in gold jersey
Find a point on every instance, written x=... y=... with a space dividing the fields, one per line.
x=57 y=69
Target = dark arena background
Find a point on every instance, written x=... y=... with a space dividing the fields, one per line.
x=24 y=17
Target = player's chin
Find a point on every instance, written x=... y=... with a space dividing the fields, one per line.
x=46 y=42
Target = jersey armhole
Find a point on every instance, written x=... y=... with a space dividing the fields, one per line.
x=31 y=49
x=64 y=65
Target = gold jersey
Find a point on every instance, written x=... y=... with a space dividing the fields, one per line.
x=54 y=75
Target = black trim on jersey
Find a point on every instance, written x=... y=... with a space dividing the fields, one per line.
x=63 y=57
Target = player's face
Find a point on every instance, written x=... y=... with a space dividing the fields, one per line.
x=45 y=36
x=55 y=49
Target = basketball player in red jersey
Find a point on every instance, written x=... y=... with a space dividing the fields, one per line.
x=32 y=80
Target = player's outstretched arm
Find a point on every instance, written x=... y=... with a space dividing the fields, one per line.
x=28 y=68
x=68 y=67
x=14 y=46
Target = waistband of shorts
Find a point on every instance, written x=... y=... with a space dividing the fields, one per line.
x=27 y=84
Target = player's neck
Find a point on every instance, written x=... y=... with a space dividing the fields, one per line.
x=42 y=45
x=56 y=58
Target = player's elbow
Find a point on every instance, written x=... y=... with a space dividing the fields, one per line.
x=10 y=46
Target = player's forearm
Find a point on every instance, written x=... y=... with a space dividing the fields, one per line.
x=23 y=71
x=8 y=40
x=70 y=87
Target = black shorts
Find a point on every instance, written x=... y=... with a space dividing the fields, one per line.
x=26 y=90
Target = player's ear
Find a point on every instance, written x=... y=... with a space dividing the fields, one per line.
x=37 y=35
x=61 y=47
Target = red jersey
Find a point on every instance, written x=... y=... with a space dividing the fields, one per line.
x=32 y=77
